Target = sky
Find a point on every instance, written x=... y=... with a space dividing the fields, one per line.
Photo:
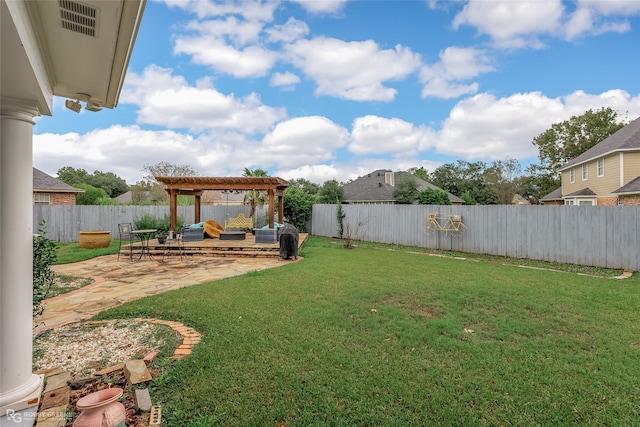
x=334 y=89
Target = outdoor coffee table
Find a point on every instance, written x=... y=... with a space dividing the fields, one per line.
x=233 y=235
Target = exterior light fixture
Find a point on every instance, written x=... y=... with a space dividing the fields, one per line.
x=91 y=105
x=73 y=105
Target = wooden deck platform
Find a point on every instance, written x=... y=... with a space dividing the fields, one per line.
x=216 y=247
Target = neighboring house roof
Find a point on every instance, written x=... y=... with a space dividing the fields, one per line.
x=521 y=200
x=128 y=196
x=632 y=187
x=626 y=139
x=373 y=187
x=43 y=183
x=554 y=195
x=585 y=192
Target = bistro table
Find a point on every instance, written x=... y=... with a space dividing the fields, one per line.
x=145 y=236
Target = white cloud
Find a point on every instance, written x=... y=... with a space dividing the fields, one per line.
x=353 y=70
x=315 y=173
x=118 y=149
x=613 y=7
x=167 y=100
x=253 y=10
x=599 y=17
x=464 y=63
x=520 y=24
x=321 y=6
x=379 y=135
x=442 y=79
x=302 y=140
x=512 y=23
x=288 y=32
x=442 y=88
x=239 y=32
x=284 y=79
x=252 y=61
x=486 y=127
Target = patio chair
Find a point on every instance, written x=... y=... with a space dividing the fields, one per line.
x=172 y=245
x=125 y=235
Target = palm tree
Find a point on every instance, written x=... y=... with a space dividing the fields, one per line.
x=255 y=198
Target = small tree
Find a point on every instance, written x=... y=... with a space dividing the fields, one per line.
x=352 y=232
x=44 y=255
x=340 y=215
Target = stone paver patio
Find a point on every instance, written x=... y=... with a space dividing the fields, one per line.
x=117 y=282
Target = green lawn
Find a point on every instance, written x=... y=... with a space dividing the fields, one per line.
x=71 y=252
x=391 y=338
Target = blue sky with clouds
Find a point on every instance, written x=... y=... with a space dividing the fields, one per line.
x=334 y=89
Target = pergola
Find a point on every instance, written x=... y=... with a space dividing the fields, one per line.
x=195 y=185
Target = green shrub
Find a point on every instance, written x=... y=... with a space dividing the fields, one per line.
x=149 y=221
x=44 y=255
x=434 y=196
x=91 y=195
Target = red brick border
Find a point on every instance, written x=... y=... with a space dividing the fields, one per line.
x=190 y=337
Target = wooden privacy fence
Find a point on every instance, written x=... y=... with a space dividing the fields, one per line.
x=602 y=236
x=64 y=223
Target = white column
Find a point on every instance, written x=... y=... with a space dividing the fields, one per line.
x=19 y=387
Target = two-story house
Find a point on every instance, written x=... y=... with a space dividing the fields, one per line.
x=607 y=174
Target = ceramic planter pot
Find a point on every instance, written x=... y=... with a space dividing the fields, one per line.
x=94 y=239
x=101 y=409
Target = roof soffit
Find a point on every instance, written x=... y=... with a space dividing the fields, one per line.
x=40 y=58
x=91 y=64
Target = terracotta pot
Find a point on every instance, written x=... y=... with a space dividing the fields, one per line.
x=101 y=409
x=94 y=239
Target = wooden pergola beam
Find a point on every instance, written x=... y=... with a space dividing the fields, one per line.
x=195 y=185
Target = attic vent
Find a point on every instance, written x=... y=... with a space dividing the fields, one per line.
x=78 y=17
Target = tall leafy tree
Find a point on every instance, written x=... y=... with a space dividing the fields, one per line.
x=73 y=176
x=503 y=178
x=570 y=138
x=112 y=184
x=305 y=184
x=109 y=182
x=330 y=192
x=421 y=173
x=156 y=189
x=466 y=178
